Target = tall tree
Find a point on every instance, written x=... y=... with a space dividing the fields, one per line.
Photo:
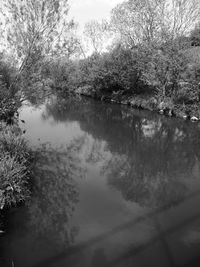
x=155 y=29
x=37 y=29
x=144 y=21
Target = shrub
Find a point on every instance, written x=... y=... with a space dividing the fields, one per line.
x=7 y=75
x=112 y=71
x=187 y=94
x=163 y=67
x=14 y=166
x=62 y=74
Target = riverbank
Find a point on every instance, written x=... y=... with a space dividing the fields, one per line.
x=164 y=106
x=15 y=161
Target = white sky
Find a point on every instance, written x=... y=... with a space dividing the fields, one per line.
x=85 y=10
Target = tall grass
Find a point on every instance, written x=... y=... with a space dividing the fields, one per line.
x=14 y=166
x=13 y=178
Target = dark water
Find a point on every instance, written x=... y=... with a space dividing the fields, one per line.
x=117 y=187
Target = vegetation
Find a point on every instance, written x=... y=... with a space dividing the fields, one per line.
x=35 y=32
x=14 y=166
x=148 y=50
x=153 y=56
x=146 y=55
x=16 y=156
x=32 y=32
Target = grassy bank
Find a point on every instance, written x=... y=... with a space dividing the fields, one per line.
x=15 y=165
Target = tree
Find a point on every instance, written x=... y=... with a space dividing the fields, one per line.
x=157 y=30
x=163 y=68
x=195 y=36
x=147 y=21
x=37 y=29
x=97 y=34
x=135 y=21
x=178 y=17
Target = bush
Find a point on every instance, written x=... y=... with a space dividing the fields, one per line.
x=114 y=71
x=7 y=75
x=62 y=74
x=188 y=94
x=163 y=67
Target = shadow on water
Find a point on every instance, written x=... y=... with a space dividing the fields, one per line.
x=137 y=206
x=130 y=258
x=55 y=193
x=45 y=220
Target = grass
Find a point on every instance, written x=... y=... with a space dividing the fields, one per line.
x=14 y=166
x=13 y=176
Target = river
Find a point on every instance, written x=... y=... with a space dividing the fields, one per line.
x=114 y=187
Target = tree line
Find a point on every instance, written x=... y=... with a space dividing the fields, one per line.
x=148 y=47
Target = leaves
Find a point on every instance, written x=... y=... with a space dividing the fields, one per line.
x=148 y=21
x=36 y=30
x=97 y=34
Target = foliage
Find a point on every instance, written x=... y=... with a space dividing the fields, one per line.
x=187 y=93
x=195 y=36
x=188 y=88
x=109 y=72
x=192 y=73
x=147 y=21
x=36 y=30
x=62 y=74
x=97 y=34
x=157 y=70
x=151 y=53
x=14 y=166
x=163 y=67
x=7 y=75
x=135 y=21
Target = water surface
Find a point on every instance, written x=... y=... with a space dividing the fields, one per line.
x=117 y=187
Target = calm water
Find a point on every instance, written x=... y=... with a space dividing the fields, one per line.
x=113 y=187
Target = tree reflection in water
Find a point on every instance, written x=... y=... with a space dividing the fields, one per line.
x=136 y=184
x=154 y=159
x=55 y=194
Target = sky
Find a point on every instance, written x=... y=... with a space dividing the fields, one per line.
x=86 y=10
